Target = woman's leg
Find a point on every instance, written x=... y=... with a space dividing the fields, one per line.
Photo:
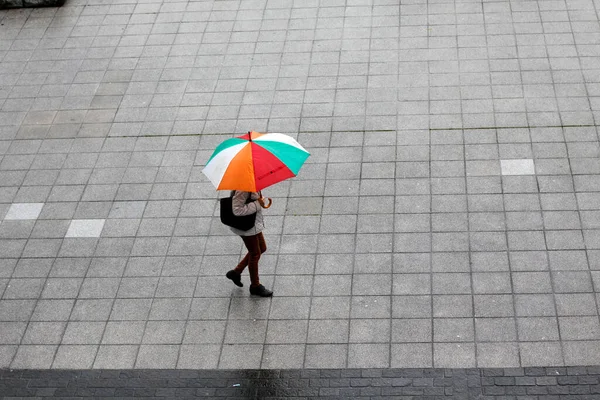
x=244 y=262
x=253 y=244
x=262 y=243
x=261 y=247
x=256 y=246
x=242 y=265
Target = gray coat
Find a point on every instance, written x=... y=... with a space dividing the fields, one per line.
x=241 y=208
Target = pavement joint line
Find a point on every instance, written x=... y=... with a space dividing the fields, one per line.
x=345 y=131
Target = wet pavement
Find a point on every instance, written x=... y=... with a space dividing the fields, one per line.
x=482 y=384
x=448 y=217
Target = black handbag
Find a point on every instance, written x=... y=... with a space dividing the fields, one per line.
x=242 y=223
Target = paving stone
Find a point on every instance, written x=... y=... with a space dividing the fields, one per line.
x=283 y=356
x=497 y=355
x=18 y=229
x=534 y=305
x=452 y=306
x=230 y=355
x=537 y=329
x=453 y=330
x=23 y=288
x=87 y=309
x=12 y=332
x=579 y=328
x=53 y=310
x=290 y=308
x=414 y=354
x=411 y=330
x=6 y=355
x=538 y=353
x=74 y=247
x=495 y=329
x=573 y=304
x=447 y=354
x=326 y=356
x=83 y=333
x=163 y=332
x=168 y=309
x=581 y=353
x=368 y=355
x=411 y=307
x=106 y=267
x=204 y=332
x=99 y=288
x=36 y=356
x=451 y=283
x=217 y=308
x=74 y=357
x=369 y=331
x=328 y=331
x=61 y=288
x=531 y=282
x=50 y=229
x=370 y=307
x=286 y=332
x=491 y=282
x=39 y=333
x=330 y=307
x=198 y=356
x=137 y=287
x=123 y=332
x=85 y=228
x=115 y=356
x=27 y=211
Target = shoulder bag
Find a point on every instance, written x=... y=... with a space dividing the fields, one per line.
x=242 y=223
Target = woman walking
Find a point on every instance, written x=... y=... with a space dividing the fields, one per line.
x=247 y=203
x=247 y=164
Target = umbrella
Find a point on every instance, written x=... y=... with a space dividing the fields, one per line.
x=254 y=161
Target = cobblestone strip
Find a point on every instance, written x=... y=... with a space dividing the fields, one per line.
x=513 y=383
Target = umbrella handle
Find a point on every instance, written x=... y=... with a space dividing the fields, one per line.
x=268 y=198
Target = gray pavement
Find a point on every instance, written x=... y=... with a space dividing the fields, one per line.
x=449 y=215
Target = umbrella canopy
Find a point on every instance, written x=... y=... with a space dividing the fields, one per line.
x=254 y=161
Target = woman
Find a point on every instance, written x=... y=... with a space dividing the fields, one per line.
x=246 y=203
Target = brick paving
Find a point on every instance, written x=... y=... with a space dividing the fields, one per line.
x=366 y=384
x=449 y=216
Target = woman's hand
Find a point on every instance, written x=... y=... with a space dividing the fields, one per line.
x=261 y=201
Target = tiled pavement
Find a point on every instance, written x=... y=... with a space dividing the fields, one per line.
x=449 y=215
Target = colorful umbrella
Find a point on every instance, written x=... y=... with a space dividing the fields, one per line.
x=254 y=161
